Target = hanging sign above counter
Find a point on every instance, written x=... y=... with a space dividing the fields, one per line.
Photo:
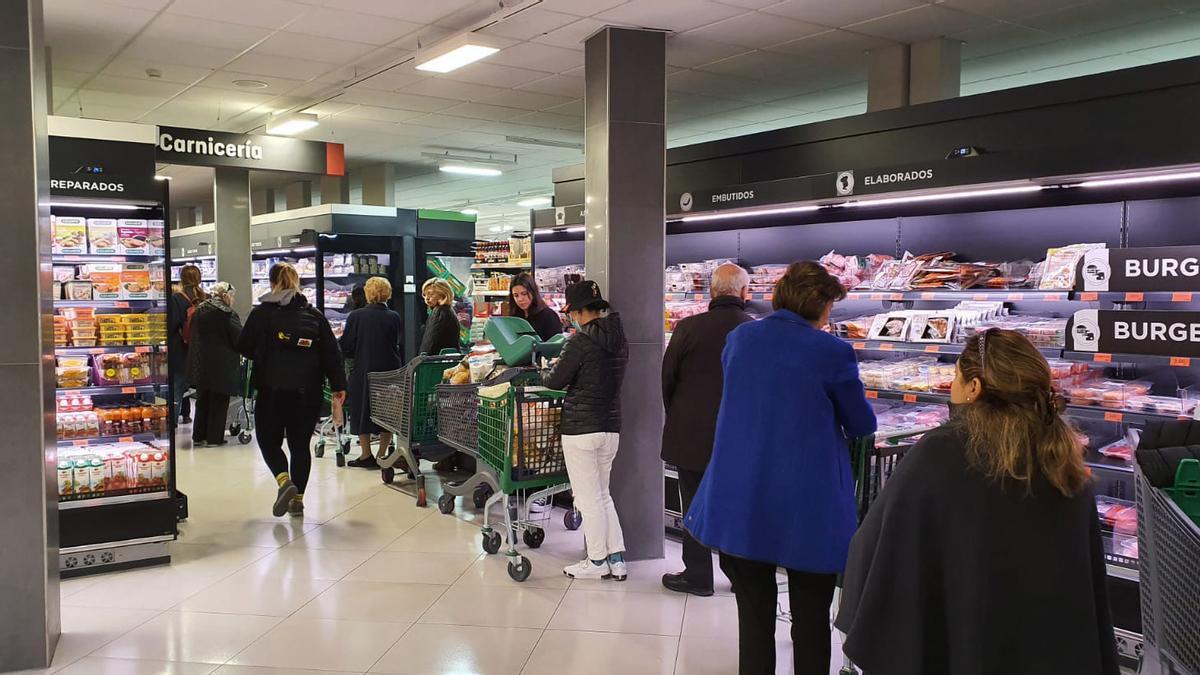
x=198 y=147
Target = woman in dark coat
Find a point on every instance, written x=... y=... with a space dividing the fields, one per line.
x=213 y=364
x=372 y=340
x=184 y=295
x=442 y=328
x=525 y=301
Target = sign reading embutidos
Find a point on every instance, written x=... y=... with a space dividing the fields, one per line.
x=274 y=153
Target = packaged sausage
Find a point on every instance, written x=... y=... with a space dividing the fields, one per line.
x=155 y=237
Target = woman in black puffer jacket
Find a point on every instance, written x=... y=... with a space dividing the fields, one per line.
x=591 y=369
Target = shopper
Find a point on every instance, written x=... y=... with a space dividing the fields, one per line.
x=441 y=329
x=372 y=340
x=778 y=490
x=983 y=554
x=213 y=364
x=526 y=302
x=294 y=353
x=183 y=297
x=357 y=299
x=691 y=382
x=591 y=369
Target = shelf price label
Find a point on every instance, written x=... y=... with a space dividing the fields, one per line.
x=859 y=345
x=1089 y=297
x=910 y=398
x=1015 y=297
x=1181 y=362
x=886 y=346
x=877 y=296
x=872 y=394
x=933 y=349
x=121 y=304
x=125 y=439
x=1114 y=417
x=129 y=390
x=1135 y=297
x=928 y=296
x=1102 y=358
x=1181 y=297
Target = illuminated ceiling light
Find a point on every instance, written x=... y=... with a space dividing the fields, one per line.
x=747 y=214
x=291 y=123
x=455 y=53
x=467 y=170
x=161 y=177
x=965 y=194
x=494 y=228
x=1139 y=180
x=469 y=212
x=534 y=202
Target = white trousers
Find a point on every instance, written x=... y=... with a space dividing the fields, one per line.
x=589 y=459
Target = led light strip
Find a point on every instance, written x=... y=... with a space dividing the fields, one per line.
x=765 y=212
x=88 y=205
x=1138 y=180
x=965 y=194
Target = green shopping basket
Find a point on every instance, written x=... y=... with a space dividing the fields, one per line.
x=519 y=437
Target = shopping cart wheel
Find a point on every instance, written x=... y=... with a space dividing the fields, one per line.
x=572 y=519
x=491 y=542
x=235 y=429
x=446 y=503
x=245 y=437
x=341 y=459
x=520 y=569
x=388 y=475
x=534 y=537
x=481 y=495
x=345 y=447
x=319 y=451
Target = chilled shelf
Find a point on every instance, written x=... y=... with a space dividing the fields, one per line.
x=926 y=348
x=111 y=349
x=113 y=390
x=1137 y=359
x=947 y=295
x=98 y=440
x=110 y=304
x=151 y=494
x=107 y=257
x=1076 y=411
x=490 y=294
x=517 y=265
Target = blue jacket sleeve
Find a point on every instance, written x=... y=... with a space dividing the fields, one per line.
x=845 y=390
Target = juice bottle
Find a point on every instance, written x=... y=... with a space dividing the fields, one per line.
x=147 y=413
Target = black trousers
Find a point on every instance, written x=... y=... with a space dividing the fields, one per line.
x=212 y=409
x=290 y=415
x=697 y=558
x=757 y=595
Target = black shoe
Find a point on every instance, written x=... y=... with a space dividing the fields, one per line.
x=361 y=463
x=185 y=420
x=447 y=465
x=680 y=584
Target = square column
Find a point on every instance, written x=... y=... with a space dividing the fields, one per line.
x=625 y=155
x=379 y=185
x=231 y=199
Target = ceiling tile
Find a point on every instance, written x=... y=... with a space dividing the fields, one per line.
x=342 y=25
x=688 y=50
x=749 y=4
x=329 y=108
x=99 y=18
x=526 y=100
x=178 y=28
x=1178 y=50
x=572 y=35
x=80 y=56
x=833 y=46
x=1097 y=16
x=262 y=13
x=840 y=14
x=1000 y=38
x=757 y=30
x=442 y=88
x=695 y=105
x=224 y=79
x=530 y=23
x=417 y=11
x=152 y=5
x=124 y=66
x=280 y=66
x=535 y=56
x=68 y=79
x=98 y=111
x=480 y=111
x=1011 y=10
x=725 y=86
x=133 y=86
x=582 y=7
x=378 y=114
x=395 y=78
x=553 y=121
x=558 y=85
x=762 y=65
x=167 y=51
x=401 y=100
x=493 y=75
x=99 y=97
x=572 y=108
x=676 y=15
x=921 y=23
x=326 y=50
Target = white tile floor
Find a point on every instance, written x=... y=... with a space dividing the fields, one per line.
x=367 y=582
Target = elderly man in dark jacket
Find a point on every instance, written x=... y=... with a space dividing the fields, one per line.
x=691 y=384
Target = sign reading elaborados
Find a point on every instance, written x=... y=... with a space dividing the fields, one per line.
x=198 y=147
x=1161 y=268
x=1157 y=333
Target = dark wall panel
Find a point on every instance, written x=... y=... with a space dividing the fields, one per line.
x=810 y=242
x=1164 y=222
x=697 y=246
x=557 y=253
x=1012 y=235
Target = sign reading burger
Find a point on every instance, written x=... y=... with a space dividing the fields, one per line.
x=1156 y=333
x=1161 y=268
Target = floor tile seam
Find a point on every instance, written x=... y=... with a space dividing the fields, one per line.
x=229 y=661
x=389 y=649
x=256 y=640
x=118 y=637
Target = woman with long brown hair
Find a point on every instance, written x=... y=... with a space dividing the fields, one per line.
x=186 y=294
x=983 y=553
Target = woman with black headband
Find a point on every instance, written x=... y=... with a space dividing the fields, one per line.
x=983 y=553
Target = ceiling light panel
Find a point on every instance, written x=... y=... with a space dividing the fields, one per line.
x=456 y=52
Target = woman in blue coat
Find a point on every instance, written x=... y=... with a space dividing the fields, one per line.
x=779 y=491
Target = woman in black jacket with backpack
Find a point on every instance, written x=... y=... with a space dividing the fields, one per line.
x=294 y=353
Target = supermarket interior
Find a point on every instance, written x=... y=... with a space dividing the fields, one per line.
x=215 y=206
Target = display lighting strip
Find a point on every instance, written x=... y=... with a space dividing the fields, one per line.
x=765 y=212
x=560 y=230
x=89 y=205
x=1138 y=180
x=965 y=194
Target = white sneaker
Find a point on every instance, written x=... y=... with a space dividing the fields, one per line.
x=616 y=571
x=586 y=569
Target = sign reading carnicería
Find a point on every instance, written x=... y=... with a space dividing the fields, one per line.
x=198 y=147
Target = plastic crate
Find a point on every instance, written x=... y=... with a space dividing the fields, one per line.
x=519 y=437
x=458 y=416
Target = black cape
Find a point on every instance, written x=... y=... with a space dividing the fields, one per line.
x=952 y=573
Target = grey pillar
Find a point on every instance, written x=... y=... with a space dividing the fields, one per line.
x=262 y=201
x=231 y=193
x=887 y=78
x=935 y=70
x=379 y=185
x=207 y=213
x=185 y=216
x=336 y=189
x=299 y=194
x=29 y=624
x=625 y=152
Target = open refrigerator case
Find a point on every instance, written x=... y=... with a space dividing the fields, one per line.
x=116 y=479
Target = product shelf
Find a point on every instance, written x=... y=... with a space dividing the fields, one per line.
x=1135 y=359
x=948 y=295
x=1076 y=411
x=111 y=349
x=672 y=296
x=150 y=494
x=110 y=304
x=100 y=440
x=1098 y=461
x=926 y=348
x=107 y=257
x=110 y=390
x=907 y=396
x=1135 y=296
x=511 y=265
x=490 y=294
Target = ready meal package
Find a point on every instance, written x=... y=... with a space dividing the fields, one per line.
x=133 y=234
x=102 y=236
x=135 y=282
x=69 y=235
x=155 y=237
x=106 y=280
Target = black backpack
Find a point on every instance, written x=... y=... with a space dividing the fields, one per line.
x=290 y=358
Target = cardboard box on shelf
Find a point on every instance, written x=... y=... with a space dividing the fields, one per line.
x=102 y=236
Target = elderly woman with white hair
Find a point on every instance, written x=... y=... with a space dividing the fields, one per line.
x=213 y=363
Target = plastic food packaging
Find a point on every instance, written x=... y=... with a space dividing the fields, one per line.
x=69 y=235
x=106 y=280
x=102 y=236
x=1059 y=271
x=132 y=234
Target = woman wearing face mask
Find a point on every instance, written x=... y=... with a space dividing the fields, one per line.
x=983 y=554
x=525 y=301
x=591 y=369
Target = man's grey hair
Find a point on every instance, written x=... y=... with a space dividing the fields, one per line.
x=729 y=279
x=221 y=288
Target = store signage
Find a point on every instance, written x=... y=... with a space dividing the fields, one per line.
x=845 y=183
x=898 y=178
x=274 y=153
x=81 y=167
x=1159 y=333
x=1161 y=268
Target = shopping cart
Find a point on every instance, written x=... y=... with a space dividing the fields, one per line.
x=241 y=411
x=330 y=432
x=404 y=402
x=873 y=460
x=1169 y=566
x=520 y=441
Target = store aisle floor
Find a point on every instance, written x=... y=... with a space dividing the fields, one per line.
x=367 y=582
